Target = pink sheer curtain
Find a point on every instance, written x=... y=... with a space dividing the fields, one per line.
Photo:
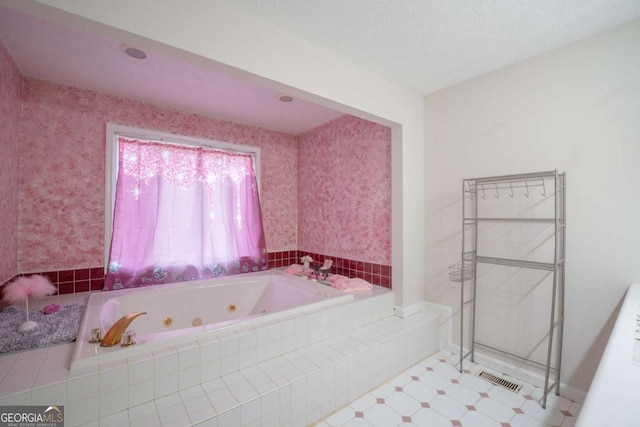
x=183 y=213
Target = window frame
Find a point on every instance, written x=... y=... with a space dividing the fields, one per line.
x=114 y=131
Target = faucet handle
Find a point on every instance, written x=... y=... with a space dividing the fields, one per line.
x=114 y=334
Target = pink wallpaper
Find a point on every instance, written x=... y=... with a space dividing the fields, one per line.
x=344 y=190
x=62 y=185
x=10 y=86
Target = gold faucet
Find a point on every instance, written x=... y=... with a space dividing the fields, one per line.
x=114 y=334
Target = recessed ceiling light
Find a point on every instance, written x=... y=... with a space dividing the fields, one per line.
x=285 y=98
x=133 y=52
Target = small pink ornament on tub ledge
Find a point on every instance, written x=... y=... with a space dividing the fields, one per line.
x=22 y=288
x=50 y=309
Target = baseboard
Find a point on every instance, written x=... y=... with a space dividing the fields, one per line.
x=525 y=372
x=405 y=312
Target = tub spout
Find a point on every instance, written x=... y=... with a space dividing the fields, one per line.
x=114 y=334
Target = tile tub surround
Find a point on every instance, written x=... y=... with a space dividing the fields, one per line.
x=73 y=280
x=92 y=278
x=376 y=274
x=292 y=372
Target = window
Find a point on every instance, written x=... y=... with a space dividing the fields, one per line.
x=180 y=211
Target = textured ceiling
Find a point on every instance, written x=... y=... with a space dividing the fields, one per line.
x=428 y=45
x=425 y=45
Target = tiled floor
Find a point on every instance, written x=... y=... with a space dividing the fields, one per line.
x=434 y=394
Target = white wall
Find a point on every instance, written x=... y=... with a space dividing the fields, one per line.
x=222 y=36
x=576 y=109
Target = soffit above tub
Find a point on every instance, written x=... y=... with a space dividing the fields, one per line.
x=50 y=51
x=428 y=45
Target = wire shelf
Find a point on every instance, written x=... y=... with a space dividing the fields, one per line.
x=457 y=273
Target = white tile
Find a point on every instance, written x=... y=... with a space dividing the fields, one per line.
x=209 y=351
x=49 y=395
x=496 y=410
x=401 y=380
x=448 y=407
x=209 y=370
x=166 y=364
x=363 y=403
x=141 y=393
x=151 y=420
x=181 y=422
x=172 y=413
x=463 y=394
x=168 y=401
x=402 y=403
x=199 y=405
x=382 y=416
x=435 y=380
x=478 y=419
x=188 y=377
x=192 y=393
x=222 y=400
x=340 y=418
x=509 y=398
x=233 y=377
x=271 y=418
x=211 y=422
x=475 y=383
x=113 y=379
x=142 y=410
x=204 y=416
x=18 y=381
x=386 y=389
x=189 y=358
x=230 y=418
x=298 y=407
x=358 y=422
x=314 y=381
x=248 y=340
x=120 y=419
x=229 y=346
x=166 y=385
x=523 y=420
x=114 y=401
x=82 y=411
x=250 y=412
x=447 y=370
x=431 y=418
x=229 y=364
x=50 y=376
x=569 y=421
x=82 y=388
x=247 y=357
x=274 y=348
x=212 y=385
x=314 y=400
x=243 y=391
x=140 y=371
x=299 y=388
x=285 y=395
x=416 y=389
x=575 y=409
x=550 y=415
x=558 y=402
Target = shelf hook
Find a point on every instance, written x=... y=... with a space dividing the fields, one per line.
x=511 y=185
x=544 y=189
x=469 y=191
x=497 y=192
x=483 y=193
x=526 y=183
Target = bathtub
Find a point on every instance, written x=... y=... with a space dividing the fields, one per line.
x=188 y=311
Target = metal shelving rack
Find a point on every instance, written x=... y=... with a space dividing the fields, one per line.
x=478 y=189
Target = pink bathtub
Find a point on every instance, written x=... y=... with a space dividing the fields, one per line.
x=188 y=311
